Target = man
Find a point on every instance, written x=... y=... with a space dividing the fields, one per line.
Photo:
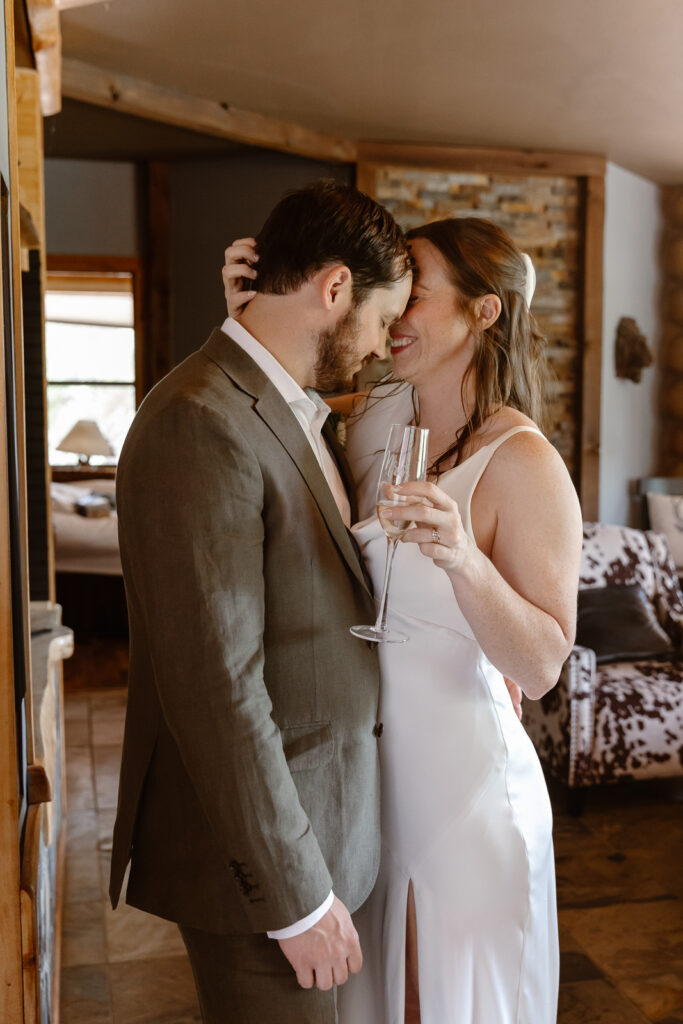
x=248 y=802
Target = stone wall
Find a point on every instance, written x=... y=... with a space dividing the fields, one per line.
x=671 y=397
x=543 y=216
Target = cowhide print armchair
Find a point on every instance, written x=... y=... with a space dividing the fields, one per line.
x=622 y=720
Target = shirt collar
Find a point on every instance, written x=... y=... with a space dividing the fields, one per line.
x=309 y=401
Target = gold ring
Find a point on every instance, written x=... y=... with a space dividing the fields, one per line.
x=435 y=536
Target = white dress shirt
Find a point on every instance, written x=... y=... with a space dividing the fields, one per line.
x=311 y=412
x=307 y=406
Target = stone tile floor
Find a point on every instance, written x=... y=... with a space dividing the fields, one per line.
x=620 y=893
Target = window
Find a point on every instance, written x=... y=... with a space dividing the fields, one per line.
x=90 y=358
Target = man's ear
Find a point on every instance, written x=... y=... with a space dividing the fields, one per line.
x=487 y=310
x=336 y=285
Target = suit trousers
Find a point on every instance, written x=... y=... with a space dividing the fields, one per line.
x=246 y=979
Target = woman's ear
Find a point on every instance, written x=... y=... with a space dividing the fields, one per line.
x=487 y=310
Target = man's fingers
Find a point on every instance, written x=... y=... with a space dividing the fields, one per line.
x=305 y=977
x=354 y=960
x=340 y=972
x=323 y=978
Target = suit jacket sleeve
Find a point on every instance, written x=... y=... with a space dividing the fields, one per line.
x=190 y=498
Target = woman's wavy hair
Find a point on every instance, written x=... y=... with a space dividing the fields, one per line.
x=509 y=365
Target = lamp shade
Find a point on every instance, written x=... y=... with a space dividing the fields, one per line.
x=85 y=438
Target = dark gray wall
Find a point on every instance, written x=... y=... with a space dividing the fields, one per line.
x=212 y=203
x=91 y=207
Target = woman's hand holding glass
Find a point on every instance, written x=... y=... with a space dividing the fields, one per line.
x=405 y=458
x=438 y=527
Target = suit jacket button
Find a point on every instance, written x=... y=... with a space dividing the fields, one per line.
x=378 y=729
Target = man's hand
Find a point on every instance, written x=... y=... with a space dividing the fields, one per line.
x=515 y=696
x=327 y=953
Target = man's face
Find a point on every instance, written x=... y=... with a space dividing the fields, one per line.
x=358 y=336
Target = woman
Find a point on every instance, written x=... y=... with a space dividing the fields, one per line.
x=461 y=927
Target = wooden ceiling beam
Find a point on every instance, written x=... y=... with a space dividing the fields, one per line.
x=479 y=159
x=89 y=84
x=46 y=40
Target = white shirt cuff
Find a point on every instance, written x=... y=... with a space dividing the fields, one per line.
x=305 y=923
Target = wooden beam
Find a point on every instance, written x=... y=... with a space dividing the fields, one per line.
x=591 y=365
x=116 y=91
x=492 y=161
x=46 y=37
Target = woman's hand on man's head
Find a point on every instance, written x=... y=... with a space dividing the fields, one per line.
x=239 y=275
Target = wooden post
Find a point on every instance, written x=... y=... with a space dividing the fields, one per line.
x=158 y=342
x=32 y=197
x=591 y=362
x=15 y=245
x=11 y=997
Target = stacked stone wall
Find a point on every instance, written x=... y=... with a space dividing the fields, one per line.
x=543 y=216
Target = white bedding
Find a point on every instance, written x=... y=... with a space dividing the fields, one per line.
x=84 y=544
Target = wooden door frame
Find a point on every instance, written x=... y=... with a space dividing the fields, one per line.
x=11 y=979
x=589 y=170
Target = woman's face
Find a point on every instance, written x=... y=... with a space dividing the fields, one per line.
x=432 y=337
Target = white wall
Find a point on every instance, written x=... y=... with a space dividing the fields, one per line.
x=91 y=207
x=631 y=279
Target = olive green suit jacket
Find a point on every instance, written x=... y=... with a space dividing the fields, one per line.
x=249 y=776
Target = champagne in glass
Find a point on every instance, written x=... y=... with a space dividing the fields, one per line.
x=392 y=527
x=405 y=459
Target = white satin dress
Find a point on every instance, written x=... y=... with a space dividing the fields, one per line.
x=465 y=809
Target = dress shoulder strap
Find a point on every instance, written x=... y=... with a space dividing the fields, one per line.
x=486 y=453
x=468 y=473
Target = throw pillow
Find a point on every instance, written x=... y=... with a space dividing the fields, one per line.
x=619 y=623
x=666 y=516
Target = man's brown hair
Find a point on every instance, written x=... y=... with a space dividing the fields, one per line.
x=325 y=223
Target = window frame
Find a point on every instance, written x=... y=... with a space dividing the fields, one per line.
x=94 y=264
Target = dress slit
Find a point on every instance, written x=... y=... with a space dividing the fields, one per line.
x=411 y=986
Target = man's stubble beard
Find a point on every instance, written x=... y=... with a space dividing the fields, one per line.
x=338 y=357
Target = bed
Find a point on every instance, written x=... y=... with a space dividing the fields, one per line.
x=87 y=560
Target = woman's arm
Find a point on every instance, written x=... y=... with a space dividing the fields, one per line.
x=521 y=601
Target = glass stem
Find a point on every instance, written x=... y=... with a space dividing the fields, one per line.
x=382 y=616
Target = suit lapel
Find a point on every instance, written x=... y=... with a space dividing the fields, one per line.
x=272 y=409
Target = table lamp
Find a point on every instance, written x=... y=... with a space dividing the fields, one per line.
x=85 y=439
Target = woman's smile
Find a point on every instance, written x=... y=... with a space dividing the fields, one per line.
x=400 y=341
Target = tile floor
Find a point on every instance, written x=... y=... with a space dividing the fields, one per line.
x=620 y=892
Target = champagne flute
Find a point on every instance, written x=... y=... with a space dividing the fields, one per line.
x=405 y=459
